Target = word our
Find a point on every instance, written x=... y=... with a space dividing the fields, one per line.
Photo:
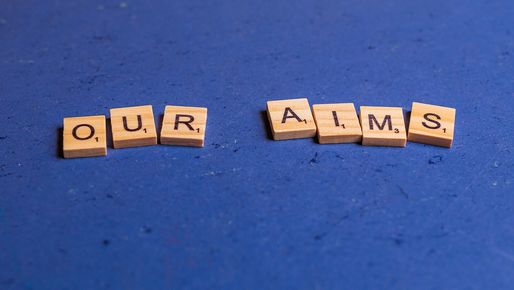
x=132 y=127
x=289 y=119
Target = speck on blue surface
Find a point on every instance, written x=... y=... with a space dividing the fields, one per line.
x=246 y=212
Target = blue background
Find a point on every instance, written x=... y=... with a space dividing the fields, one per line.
x=246 y=212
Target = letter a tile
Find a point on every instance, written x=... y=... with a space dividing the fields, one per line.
x=431 y=124
x=337 y=123
x=84 y=137
x=133 y=126
x=383 y=126
x=291 y=119
x=184 y=126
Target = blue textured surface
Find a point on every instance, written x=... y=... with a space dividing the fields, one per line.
x=246 y=212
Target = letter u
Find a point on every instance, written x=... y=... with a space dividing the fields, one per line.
x=139 y=124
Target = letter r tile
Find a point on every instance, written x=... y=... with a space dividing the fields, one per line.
x=383 y=126
x=184 y=126
x=84 y=137
x=291 y=119
x=431 y=124
x=133 y=126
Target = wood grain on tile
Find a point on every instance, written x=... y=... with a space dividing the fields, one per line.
x=430 y=124
x=291 y=119
x=84 y=137
x=337 y=123
x=383 y=126
x=184 y=126
x=133 y=126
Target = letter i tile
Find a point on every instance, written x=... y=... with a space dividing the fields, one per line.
x=337 y=123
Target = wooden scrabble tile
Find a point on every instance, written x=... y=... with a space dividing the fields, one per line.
x=133 y=126
x=337 y=123
x=291 y=119
x=383 y=126
x=184 y=126
x=84 y=137
x=431 y=124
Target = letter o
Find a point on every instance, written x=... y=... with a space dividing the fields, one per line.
x=91 y=134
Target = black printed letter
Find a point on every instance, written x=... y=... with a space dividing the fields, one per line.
x=387 y=119
x=336 y=120
x=293 y=115
x=437 y=124
x=91 y=132
x=187 y=123
x=139 y=124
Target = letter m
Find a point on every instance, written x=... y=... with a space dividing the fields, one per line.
x=373 y=120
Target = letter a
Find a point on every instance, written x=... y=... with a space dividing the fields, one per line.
x=286 y=116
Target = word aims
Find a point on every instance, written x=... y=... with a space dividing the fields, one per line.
x=133 y=126
x=184 y=126
x=291 y=119
x=431 y=124
x=337 y=123
x=84 y=136
x=376 y=126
